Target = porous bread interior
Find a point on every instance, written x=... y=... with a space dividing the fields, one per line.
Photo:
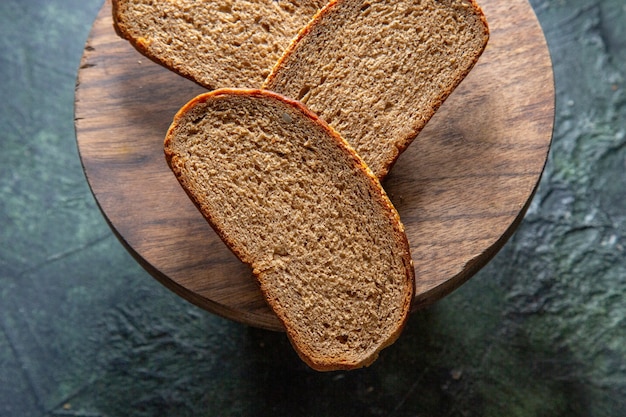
x=328 y=252
x=378 y=70
x=222 y=43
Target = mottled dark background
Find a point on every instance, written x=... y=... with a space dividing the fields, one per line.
x=84 y=331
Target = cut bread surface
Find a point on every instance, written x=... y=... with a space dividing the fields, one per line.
x=378 y=70
x=226 y=43
x=294 y=201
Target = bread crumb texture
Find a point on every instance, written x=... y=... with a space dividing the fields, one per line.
x=226 y=43
x=378 y=70
x=291 y=199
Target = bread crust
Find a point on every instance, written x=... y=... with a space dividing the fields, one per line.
x=142 y=46
x=309 y=357
x=138 y=43
x=283 y=65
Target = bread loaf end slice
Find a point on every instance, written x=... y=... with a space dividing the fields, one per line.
x=377 y=70
x=227 y=43
x=294 y=201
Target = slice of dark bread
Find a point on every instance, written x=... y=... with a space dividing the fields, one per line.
x=378 y=70
x=293 y=200
x=226 y=43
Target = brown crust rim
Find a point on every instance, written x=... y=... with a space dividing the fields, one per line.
x=122 y=32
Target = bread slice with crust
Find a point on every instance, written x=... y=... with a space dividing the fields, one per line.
x=294 y=201
x=377 y=70
x=226 y=43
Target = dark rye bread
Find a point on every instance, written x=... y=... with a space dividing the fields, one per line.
x=378 y=70
x=294 y=201
x=226 y=43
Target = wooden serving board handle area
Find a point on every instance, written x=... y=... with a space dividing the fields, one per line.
x=461 y=188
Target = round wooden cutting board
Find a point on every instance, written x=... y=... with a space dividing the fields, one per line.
x=461 y=188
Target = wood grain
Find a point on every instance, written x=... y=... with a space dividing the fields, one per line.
x=461 y=188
